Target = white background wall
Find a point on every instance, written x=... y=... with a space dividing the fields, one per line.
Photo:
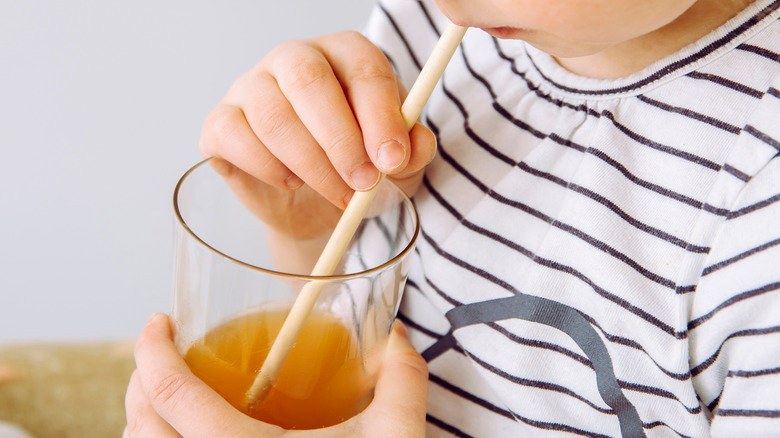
x=101 y=103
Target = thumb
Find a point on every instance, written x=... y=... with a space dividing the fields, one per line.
x=401 y=395
x=181 y=399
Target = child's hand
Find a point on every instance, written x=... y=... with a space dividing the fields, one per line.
x=325 y=112
x=164 y=399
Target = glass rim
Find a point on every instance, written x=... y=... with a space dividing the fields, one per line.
x=403 y=253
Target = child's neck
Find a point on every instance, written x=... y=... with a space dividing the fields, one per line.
x=634 y=55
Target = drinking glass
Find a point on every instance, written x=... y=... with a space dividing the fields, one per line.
x=243 y=252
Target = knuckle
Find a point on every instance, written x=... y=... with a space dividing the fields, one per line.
x=327 y=177
x=221 y=123
x=167 y=390
x=307 y=73
x=414 y=363
x=344 y=140
x=351 y=37
x=299 y=65
x=367 y=71
x=356 y=41
x=272 y=122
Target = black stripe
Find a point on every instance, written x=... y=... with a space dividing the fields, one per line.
x=477 y=76
x=533 y=343
x=538 y=91
x=544 y=425
x=460 y=392
x=634 y=136
x=691 y=114
x=569 y=321
x=753 y=207
x=414 y=325
x=687 y=61
x=568 y=228
x=622 y=128
x=773 y=92
x=630 y=343
x=714 y=403
x=547 y=263
x=636 y=180
x=734 y=300
x=761 y=413
x=700 y=368
x=736 y=172
x=760 y=51
x=658 y=392
x=654 y=424
x=538 y=384
x=565 y=227
x=441 y=346
x=517 y=122
x=447 y=427
x=478 y=271
x=556 y=348
x=720 y=80
x=439 y=291
x=401 y=36
x=661 y=147
x=625 y=342
x=720 y=265
x=510 y=414
x=623 y=215
x=429 y=18
x=753 y=373
x=762 y=136
x=685 y=289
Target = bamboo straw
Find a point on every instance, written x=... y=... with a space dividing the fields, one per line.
x=350 y=219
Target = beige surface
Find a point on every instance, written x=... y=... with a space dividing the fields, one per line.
x=63 y=390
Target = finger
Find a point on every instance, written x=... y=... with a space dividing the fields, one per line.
x=370 y=85
x=142 y=420
x=181 y=399
x=226 y=134
x=277 y=124
x=401 y=394
x=423 y=152
x=317 y=92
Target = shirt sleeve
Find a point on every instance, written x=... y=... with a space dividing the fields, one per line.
x=734 y=325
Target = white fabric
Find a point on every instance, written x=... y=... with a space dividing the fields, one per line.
x=631 y=225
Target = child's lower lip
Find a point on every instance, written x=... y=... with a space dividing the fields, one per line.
x=504 y=32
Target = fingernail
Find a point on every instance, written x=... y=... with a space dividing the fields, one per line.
x=293 y=181
x=391 y=154
x=364 y=177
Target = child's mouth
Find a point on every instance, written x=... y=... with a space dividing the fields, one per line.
x=504 y=32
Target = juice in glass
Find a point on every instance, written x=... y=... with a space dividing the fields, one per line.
x=321 y=383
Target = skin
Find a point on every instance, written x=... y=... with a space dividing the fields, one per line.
x=598 y=38
x=165 y=400
x=325 y=113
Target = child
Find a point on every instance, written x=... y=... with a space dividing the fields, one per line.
x=600 y=246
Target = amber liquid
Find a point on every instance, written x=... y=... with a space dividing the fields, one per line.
x=321 y=383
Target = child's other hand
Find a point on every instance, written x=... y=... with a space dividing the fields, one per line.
x=164 y=399
x=324 y=112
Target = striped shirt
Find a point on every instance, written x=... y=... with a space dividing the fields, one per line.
x=598 y=258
